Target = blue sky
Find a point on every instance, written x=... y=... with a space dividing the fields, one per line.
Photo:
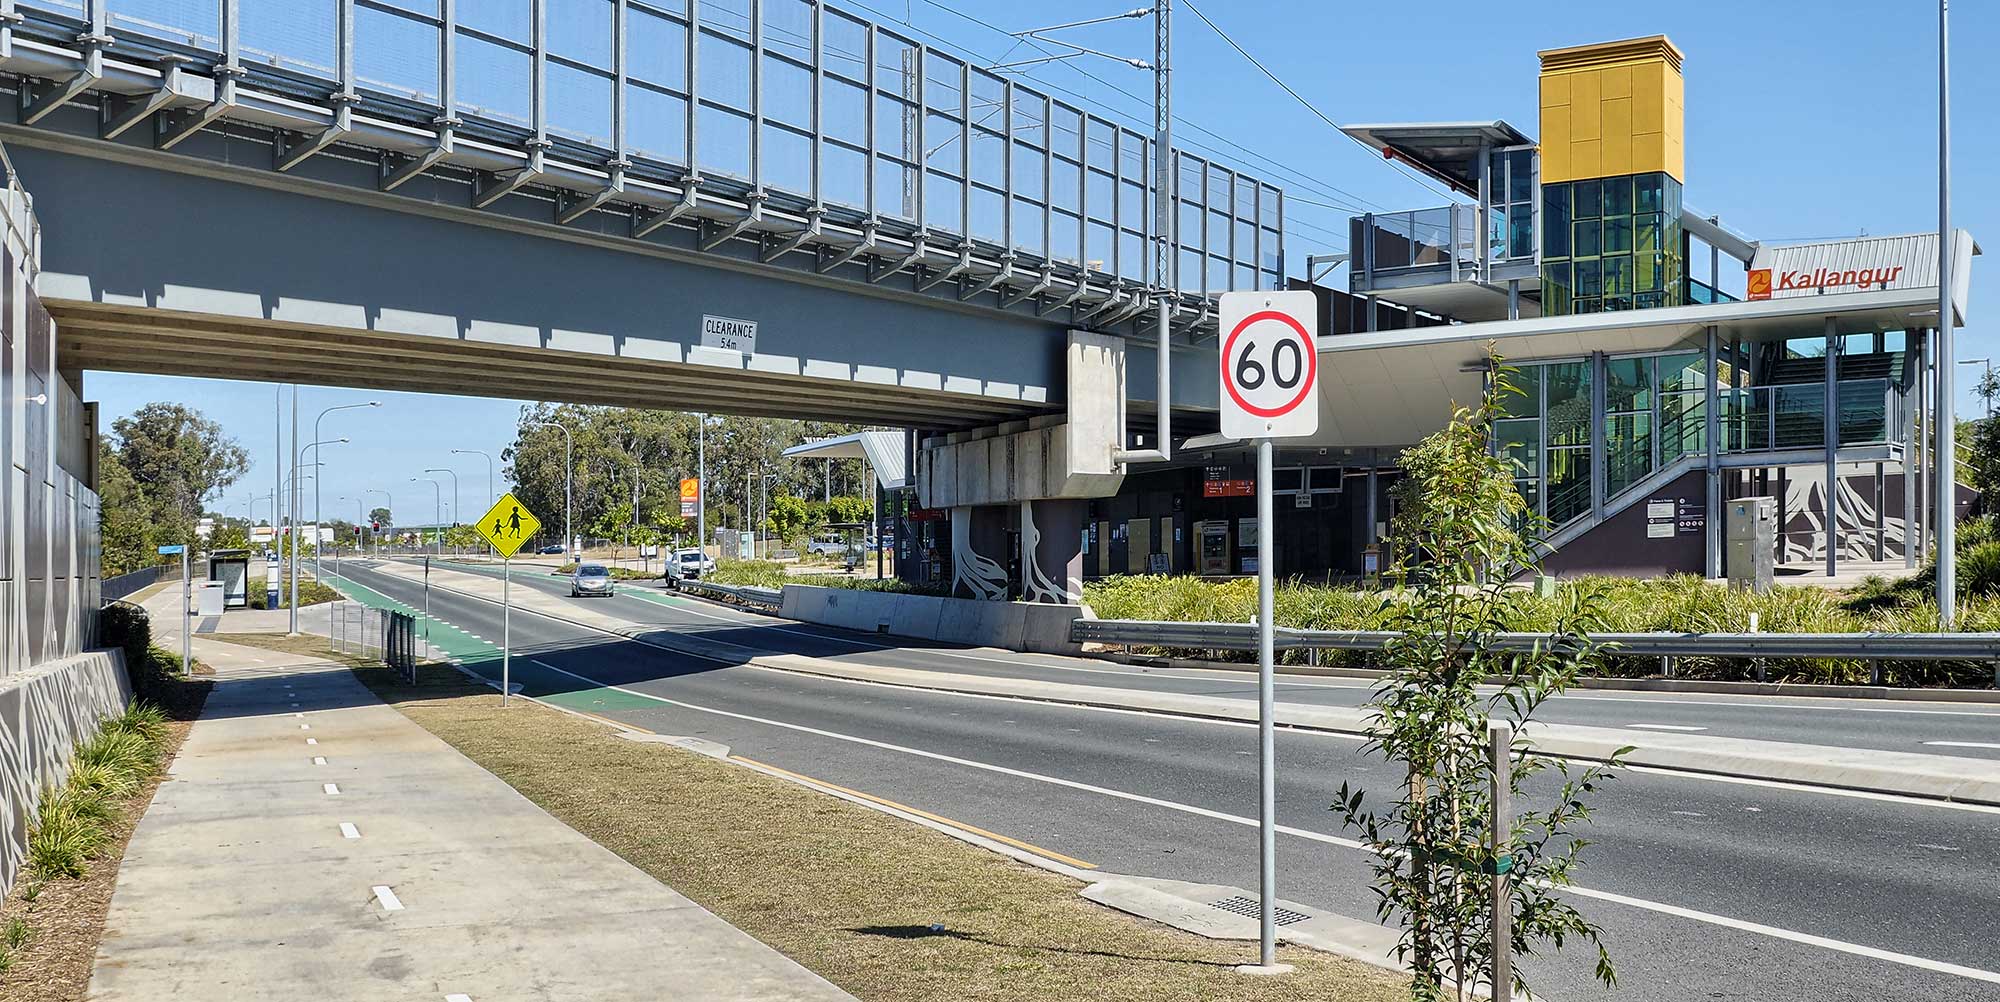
x=1801 y=123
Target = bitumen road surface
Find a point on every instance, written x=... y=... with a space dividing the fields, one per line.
x=1704 y=887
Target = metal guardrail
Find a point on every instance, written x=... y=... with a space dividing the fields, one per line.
x=747 y=594
x=1840 y=646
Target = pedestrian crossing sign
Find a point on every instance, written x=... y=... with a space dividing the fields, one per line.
x=508 y=525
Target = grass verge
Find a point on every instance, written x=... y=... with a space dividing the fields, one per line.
x=848 y=892
x=50 y=923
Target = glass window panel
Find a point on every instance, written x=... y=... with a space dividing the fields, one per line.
x=1646 y=234
x=944 y=205
x=1648 y=274
x=1098 y=252
x=1520 y=443
x=1521 y=230
x=1132 y=205
x=843 y=109
x=989 y=158
x=1131 y=256
x=989 y=100
x=1683 y=424
x=1521 y=176
x=493 y=80
x=1098 y=137
x=1527 y=402
x=989 y=216
x=1218 y=274
x=580 y=30
x=1617 y=276
x=788 y=28
x=1568 y=485
x=656 y=124
x=1030 y=118
x=655 y=49
x=1628 y=451
x=195 y=22
x=1218 y=233
x=1617 y=196
x=943 y=81
x=1587 y=278
x=1567 y=402
x=1028 y=217
x=1628 y=384
x=1245 y=248
x=1580 y=304
x=1028 y=164
x=725 y=71
x=1064 y=177
x=297 y=36
x=787 y=93
x=730 y=17
x=1287 y=479
x=397 y=55
x=1269 y=207
x=1583 y=234
x=1649 y=194
x=1066 y=132
x=895 y=66
x=787 y=160
x=1190 y=274
x=844 y=49
x=1188 y=231
x=895 y=189
x=513 y=20
x=724 y=142
x=843 y=175
x=1064 y=232
x=1098 y=201
x=1585 y=200
x=895 y=127
x=1555 y=221
x=1617 y=235
x=944 y=144
x=580 y=104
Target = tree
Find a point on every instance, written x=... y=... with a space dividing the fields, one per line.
x=791 y=519
x=181 y=457
x=380 y=516
x=125 y=520
x=1461 y=532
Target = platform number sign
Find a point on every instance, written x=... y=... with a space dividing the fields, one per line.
x=1270 y=371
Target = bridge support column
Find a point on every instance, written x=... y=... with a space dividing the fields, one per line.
x=1052 y=551
x=979 y=552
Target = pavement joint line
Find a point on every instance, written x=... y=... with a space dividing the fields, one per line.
x=347 y=830
x=1667 y=727
x=387 y=898
x=1649 y=770
x=331 y=789
x=884 y=801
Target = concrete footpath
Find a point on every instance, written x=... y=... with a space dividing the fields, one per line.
x=311 y=842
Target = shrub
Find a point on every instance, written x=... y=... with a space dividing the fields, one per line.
x=141 y=718
x=748 y=573
x=104 y=780
x=1979 y=569
x=120 y=750
x=310 y=593
x=128 y=627
x=69 y=831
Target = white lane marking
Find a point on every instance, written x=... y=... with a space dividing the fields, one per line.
x=1807 y=939
x=297 y=715
x=347 y=830
x=332 y=789
x=458 y=998
x=1666 y=727
x=1710 y=918
x=1940 y=848
x=319 y=760
x=1830 y=791
x=312 y=741
x=1963 y=744
x=388 y=899
x=305 y=727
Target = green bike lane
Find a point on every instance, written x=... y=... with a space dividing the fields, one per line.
x=482 y=657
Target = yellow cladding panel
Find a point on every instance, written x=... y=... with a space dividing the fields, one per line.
x=1612 y=109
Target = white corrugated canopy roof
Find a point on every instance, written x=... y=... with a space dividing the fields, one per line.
x=882 y=449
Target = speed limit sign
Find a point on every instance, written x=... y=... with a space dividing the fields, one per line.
x=1270 y=371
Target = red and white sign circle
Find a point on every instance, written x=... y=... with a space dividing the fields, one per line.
x=1270 y=369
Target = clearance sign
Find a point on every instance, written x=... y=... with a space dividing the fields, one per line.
x=1861 y=265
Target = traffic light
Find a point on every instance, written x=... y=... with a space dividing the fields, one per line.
x=375 y=527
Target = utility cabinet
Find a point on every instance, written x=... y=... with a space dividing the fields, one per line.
x=1752 y=542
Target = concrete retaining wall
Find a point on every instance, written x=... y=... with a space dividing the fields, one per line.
x=1015 y=626
x=44 y=712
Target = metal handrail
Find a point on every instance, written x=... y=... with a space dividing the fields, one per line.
x=1838 y=646
x=747 y=594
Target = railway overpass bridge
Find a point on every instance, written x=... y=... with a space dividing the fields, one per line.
x=545 y=200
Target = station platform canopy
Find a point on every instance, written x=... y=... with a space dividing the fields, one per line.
x=882 y=449
x=1448 y=151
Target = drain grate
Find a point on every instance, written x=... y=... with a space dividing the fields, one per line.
x=1251 y=908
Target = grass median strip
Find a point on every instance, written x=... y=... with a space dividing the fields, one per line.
x=886 y=909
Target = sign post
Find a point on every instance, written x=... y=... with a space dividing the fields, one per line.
x=1270 y=380
x=508 y=525
x=187 y=613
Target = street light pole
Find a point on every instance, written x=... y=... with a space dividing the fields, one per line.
x=569 y=535
x=457 y=509
x=299 y=463
x=316 y=421
x=437 y=508
x=491 y=498
x=1947 y=368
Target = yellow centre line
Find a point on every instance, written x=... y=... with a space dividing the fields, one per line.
x=928 y=816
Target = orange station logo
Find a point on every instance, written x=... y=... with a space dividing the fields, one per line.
x=1759 y=283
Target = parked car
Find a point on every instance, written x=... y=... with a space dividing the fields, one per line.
x=551 y=548
x=830 y=547
x=689 y=564
x=590 y=579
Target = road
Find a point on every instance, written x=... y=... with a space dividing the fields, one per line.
x=1704 y=887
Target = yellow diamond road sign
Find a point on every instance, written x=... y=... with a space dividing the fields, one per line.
x=509 y=525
